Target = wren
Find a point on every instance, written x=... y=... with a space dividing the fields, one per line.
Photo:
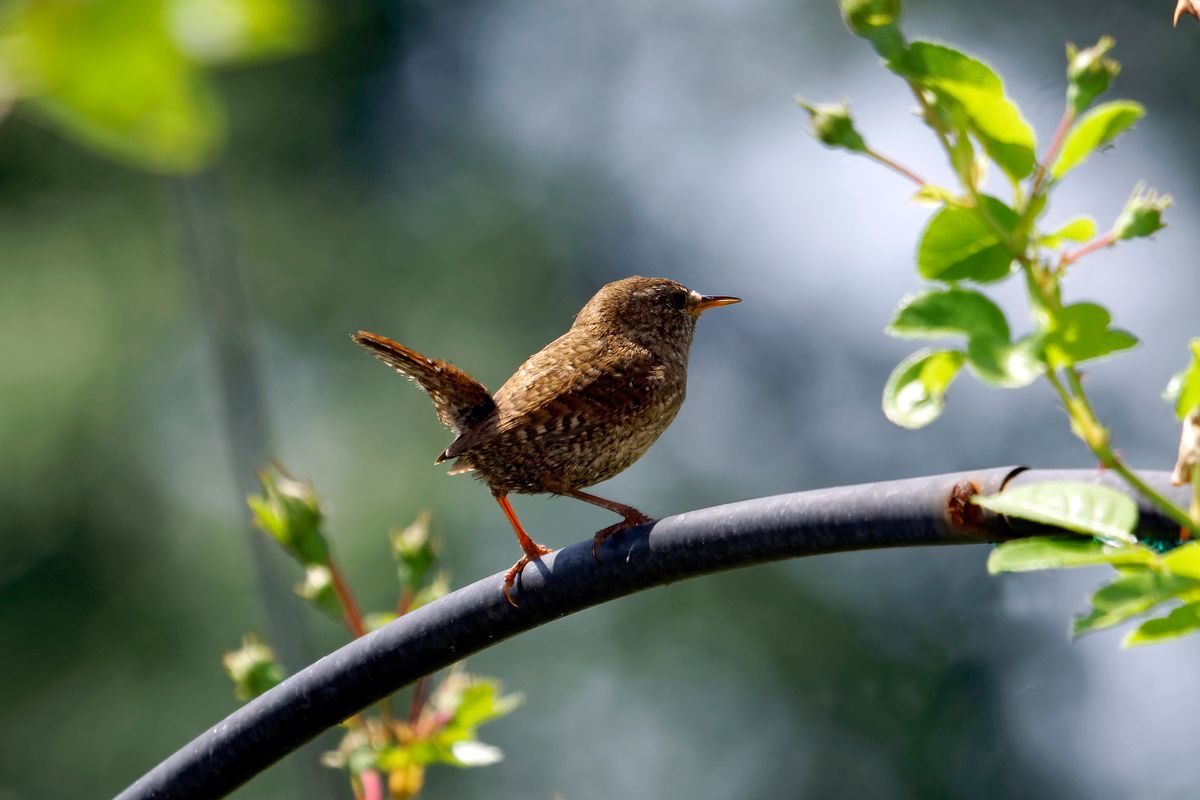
x=577 y=412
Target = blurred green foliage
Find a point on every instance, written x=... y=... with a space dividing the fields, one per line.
x=129 y=78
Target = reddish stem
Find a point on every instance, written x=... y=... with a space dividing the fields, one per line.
x=1060 y=133
x=418 y=699
x=1099 y=243
x=350 y=612
x=897 y=167
x=404 y=604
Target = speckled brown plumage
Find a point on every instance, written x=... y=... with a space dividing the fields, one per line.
x=577 y=412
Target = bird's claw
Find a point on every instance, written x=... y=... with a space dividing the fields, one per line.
x=623 y=525
x=511 y=576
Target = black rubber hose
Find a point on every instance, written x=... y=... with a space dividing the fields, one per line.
x=919 y=511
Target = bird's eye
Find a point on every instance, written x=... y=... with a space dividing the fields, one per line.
x=678 y=299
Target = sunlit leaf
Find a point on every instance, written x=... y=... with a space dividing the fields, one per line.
x=1004 y=364
x=1081 y=507
x=1183 y=391
x=110 y=75
x=959 y=244
x=1095 y=129
x=969 y=84
x=1044 y=552
x=1130 y=595
x=955 y=311
x=947 y=312
x=1183 y=560
x=876 y=21
x=434 y=589
x=317 y=589
x=471 y=753
x=932 y=195
x=913 y=396
x=1081 y=332
x=1080 y=229
x=1180 y=622
x=375 y=620
x=239 y=31
x=253 y=668
x=126 y=77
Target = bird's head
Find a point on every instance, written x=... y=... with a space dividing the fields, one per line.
x=649 y=310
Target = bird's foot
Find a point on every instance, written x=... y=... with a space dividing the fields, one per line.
x=631 y=521
x=532 y=554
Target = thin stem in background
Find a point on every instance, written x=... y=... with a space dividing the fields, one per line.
x=1099 y=243
x=207 y=255
x=897 y=167
x=350 y=612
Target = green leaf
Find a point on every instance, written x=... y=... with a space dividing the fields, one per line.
x=1046 y=552
x=235 y=32
x=930 y=194
x=1180 y=622
x=482 y=702
x=876 y=21
x=1006 y=365
x=1183 y=560
x=1128 y=596
x=913 y=396
x=1081 y=332
x=947 y=312
x=374 y=620
x=1080 y=229
x=1081 y=507
x=958 y=244
x=126 y=77
x=317 y=589
x=1089 y=73
x=1183 y=391
x=109 y=75
x=955 y=311
x=415 y=551
x=832 y=126
x=967 y=85
x=1142 y=215
x=436 y=588
x=253 y=668
x=288 y=510
x=464 y=702
x=1095 y=129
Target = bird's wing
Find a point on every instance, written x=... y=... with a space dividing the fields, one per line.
x=459 y=400
x=573 y=380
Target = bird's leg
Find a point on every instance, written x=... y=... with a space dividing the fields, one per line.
x=532 y=549
x=631 y=516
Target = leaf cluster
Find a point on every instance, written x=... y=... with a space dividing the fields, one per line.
x=1146 y=581
x=439 y=729
x=976 y=239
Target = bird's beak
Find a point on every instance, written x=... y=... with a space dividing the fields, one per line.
x=713 y=300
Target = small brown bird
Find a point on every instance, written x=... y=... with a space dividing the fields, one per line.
x=577 y=412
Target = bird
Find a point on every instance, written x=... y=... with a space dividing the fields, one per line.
x=579 y=411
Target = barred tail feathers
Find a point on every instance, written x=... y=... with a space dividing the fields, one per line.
x=459 y=400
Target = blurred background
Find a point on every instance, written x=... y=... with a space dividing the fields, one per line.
x=461 y=176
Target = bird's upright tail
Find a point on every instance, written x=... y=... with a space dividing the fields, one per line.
x=459 y=400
